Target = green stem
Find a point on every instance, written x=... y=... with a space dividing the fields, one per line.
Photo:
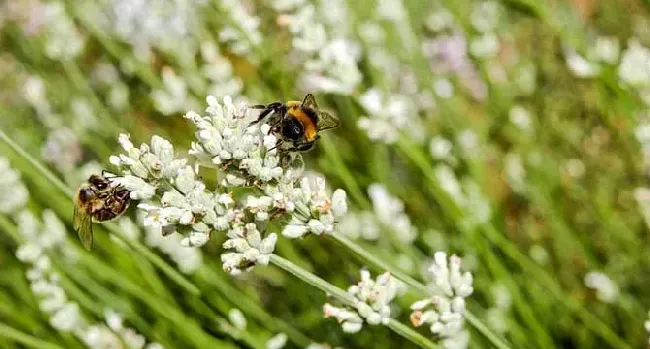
x=411 y=334
x=25 y=339
x=348 y=299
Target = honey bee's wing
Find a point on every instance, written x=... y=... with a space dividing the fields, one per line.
x=82 y=223
x=327 y=120
x=309 y=102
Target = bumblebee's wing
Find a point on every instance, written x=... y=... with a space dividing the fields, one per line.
x=327 y=120
x=82 y=223
x=310 y=102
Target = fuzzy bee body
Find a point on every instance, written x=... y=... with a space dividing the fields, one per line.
x=297 y=123
x=100 y=200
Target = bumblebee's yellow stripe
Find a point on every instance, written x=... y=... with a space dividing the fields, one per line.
x=308 y=125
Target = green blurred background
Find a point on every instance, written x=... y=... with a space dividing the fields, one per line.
x=516 y=134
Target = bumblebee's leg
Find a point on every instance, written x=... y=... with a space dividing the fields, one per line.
x=277 y=144
x=304 y=146
x=267 y=110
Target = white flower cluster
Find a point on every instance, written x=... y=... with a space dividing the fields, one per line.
x=65 y=314
x=634 y=69
x=174 y=97
x=64 y=42
x=13 y=192
x=185 y=205
x=603 y=51
x=245 y=33
x=314 y=211
x=388 y=115
x=176 y=200
x=372 y=303
x=219 y=72
x=330 y=64
x=485 y=19
x=389 y=211
x=146 y=24
x=444 y=311
x=250 y=249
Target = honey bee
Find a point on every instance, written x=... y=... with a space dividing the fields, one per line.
x=100 y=199
x=297 y=123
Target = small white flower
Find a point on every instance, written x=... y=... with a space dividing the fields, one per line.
x=634 y=69
x=277 y=342
x=581 y=67
x=372 y=303
x=606 y=289
x=237 y=318
x=444 y=311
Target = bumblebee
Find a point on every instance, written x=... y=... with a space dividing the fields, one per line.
x=297 y=123
x=98 y=199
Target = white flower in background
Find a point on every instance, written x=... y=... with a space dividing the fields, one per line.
x=237 y=319
x=575 y=168
x=439 y=20
x=65 y=315
x=642 y=196
x=389 y=211
x=440 y=149
x=515 y=172
x=371 y=303
x=634 y=69
x=175 y=97
x=188 y=260
x=497 y=315
x=277 y=342
x=244 y=34
x=34 y=92
x=219 y=72
x=395 y=12
x=485 y=16
x=146 y=24
x=321 y=346
x=444 y=311
x=580 y=66
x=606 y=49
x=388 y=114
x=330 y=64
x=64 y=42
x=485 y=46
x=525 y=78
x=606 y=289
x=520 y=117
x=62 y=150
x=13 y=193
x=467 y=194
x=360 y=225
